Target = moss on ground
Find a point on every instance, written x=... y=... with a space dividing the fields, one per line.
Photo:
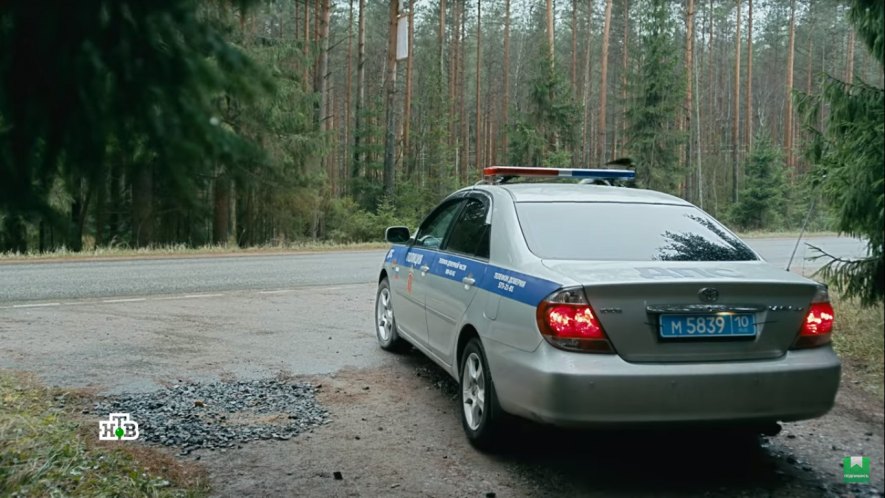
x=48 y=448
x=858 y=338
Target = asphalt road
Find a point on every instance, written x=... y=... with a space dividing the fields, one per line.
x=42 y=281
x=57 y=281
x=777 y=250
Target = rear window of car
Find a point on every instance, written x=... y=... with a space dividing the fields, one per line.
x=627 y=232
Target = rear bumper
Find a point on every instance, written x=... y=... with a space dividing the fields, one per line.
x=577 y=389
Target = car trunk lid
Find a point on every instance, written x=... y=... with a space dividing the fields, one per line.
x=632 y=298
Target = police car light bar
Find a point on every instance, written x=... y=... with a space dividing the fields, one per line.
x=596 y=174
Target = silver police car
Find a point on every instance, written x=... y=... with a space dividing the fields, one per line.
x=583 y=305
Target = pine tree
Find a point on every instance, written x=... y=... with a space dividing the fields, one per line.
x=762 y=197
x=655 y=101
x=145 y=76
x=546 y=134
x=848 y=153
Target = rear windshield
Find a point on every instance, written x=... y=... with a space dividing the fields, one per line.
x=626 y=232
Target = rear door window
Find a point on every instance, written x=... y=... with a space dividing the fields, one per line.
x=627 y=232
x=470 y=234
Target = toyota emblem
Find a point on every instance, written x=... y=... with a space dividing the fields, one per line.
x=708 y=295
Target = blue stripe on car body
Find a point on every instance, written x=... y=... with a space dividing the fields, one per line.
x=495 y=279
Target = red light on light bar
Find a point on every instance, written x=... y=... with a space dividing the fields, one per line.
x=519 y=171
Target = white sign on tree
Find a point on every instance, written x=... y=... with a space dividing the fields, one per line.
x=402 y=37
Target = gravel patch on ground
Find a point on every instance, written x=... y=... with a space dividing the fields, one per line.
x=220 y=414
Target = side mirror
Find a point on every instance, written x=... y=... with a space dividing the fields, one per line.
x=397 y=235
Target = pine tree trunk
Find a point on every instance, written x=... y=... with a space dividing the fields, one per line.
x=316 y=38
x=441 y=34
x=736 y=104
x=16 y=239
x=221 y=211
x=712 y=113
x=242 y=17
x=588 y=91
x=359 y=158
x=684 y=152
x=699 y=179
x=233 y=211
x=454 y=136
x=142 y=206
x=625 y=56
x=574 y=48
x=116 y=186
x=323 y=84
x=489 y=127
x=74 y=239
x=305 y=43
x=505 y=105
x=79 y=208
x=390 y=100
x=748 y=103
x=435 y=173
x=809 y=69
x=849 y=67
x=101 y=207
x=407 y=104
x=479 y=135
x=801 y=165
x=550 y=37
x=332 y=139
x=599 y=147
x=462 y=97
x=788 y=116
x=348 y=94
x=711 y=100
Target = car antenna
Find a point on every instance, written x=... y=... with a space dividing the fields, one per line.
x=802 y=232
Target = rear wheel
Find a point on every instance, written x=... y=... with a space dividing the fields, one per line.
x=481 y=416
x=385 y=323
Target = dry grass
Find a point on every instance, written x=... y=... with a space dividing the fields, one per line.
x=181 y=250
x=47 y=448
x=858 y=338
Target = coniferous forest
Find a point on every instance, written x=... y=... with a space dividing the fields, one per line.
x=129 y=123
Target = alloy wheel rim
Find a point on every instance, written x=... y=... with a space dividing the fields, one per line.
x=384 y=315
x=473 y=391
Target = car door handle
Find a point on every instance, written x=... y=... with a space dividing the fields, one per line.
x=468 y=281
x=424 y=269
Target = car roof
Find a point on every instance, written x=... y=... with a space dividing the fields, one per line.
x=572 y=192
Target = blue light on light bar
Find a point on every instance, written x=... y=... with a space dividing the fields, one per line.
x=598 y=174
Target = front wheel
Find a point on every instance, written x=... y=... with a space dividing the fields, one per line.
x=385 y=323
x=481 y=416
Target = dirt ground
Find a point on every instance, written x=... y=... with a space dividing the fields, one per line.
x=395 y=432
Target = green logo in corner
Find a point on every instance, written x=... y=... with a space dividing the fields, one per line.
x=856 y=469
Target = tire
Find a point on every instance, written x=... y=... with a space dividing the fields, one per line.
x=385 y=323
x=481 y=415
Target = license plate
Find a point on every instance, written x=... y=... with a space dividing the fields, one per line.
x=706 y=326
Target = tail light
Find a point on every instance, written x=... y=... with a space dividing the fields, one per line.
x=567 y=321
x=817 y=327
